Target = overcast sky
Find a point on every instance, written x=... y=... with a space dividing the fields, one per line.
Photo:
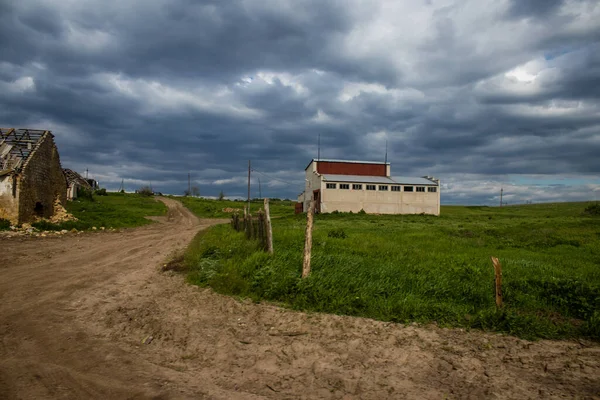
x=482 y=94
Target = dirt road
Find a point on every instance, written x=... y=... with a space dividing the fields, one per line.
x=91 y=316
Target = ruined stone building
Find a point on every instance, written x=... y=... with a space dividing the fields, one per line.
x=32 y=183
x=75 y=182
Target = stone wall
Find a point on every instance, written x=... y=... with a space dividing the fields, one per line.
x=41 y=182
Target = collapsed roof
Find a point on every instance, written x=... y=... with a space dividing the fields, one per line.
x=74 y=177
x=16 y=145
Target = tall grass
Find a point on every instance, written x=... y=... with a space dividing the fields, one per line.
x=424 y=268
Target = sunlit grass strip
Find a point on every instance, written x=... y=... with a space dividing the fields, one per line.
x=424 y=268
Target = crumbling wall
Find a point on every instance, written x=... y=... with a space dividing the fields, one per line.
x=41 y=182
x=8 y=200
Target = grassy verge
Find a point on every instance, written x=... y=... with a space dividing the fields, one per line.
x=424 y=268
x=116 y=210
x=206 y=208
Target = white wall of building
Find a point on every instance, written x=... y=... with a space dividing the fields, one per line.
x=380 y=202
x=372 y=202
x=6 y=185
x=313 y=181
x=8 y=203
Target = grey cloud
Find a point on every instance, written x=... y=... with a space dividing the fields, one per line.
x=154 y=92
x=533 y=8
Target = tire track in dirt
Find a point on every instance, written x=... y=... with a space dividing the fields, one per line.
x=74 y=311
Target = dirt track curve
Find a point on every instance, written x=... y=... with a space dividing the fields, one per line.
x=91 y=316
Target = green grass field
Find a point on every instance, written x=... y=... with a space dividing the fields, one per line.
x=116 y=210
x=424 y=268
x=206 y=208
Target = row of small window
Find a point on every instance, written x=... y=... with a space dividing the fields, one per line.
x=382 y=188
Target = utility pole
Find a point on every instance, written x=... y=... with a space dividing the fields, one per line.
x=189 y=185
x=386 y=153
x=501 y=191
x=249 y=167
x=319 y=149
x=259 y=189
x=86 y=173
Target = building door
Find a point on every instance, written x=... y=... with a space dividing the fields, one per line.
x=317 y=199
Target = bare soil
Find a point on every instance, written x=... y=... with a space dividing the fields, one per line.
x=92 y=316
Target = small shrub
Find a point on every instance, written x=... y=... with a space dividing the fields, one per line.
x=337 y=233
x=44 y=225
x=100 y=192
x=592 y=326
x=145 y=191
x=4 y=224
x=84 y=194
x=593 y=209
x=362 y=211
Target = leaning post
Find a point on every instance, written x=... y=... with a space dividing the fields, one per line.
x=269 y=228
x=308 y=239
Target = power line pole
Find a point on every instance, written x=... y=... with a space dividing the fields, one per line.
x=259 y=189
x=386 y=153
x=501 y=191
x=86 y=173
x=319 y=149
x=189 y=185
x=249 y=167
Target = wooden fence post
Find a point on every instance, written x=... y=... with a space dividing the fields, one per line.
x=235 y=221
x=308 y=240
x=248 y=225
x=261 y=235
x=269 y=229
x=498 y=280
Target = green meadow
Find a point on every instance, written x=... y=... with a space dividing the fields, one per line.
x=421 y=268
x=113 y=210
x=207 y=208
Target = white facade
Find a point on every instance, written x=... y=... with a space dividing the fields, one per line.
x=373 y=194
x=7 y=198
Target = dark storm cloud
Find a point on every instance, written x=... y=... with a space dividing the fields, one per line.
x=149 y=91
x=533 y=8
x=211 y=40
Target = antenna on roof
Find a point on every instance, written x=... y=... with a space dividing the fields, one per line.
x=319 y=149
x=386 y=151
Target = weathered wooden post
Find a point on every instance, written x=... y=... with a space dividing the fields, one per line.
x=261 y=229
x=269 y=229
x=248 y=225
x=308 y=239
x=237 y=221
x=498 y=280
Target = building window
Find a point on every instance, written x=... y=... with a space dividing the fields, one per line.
x=383 y=188
x=408 y=188
x=356 y=186
x=420 y=189
x=396 y=188
x=331 y=186
x=370 y=187
x=344 y=186
x=432 y=189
